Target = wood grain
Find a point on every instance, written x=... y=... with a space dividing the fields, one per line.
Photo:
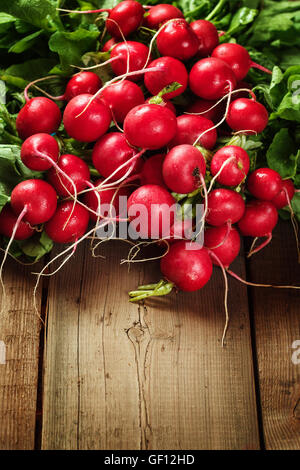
x=122 y=376
x=19 y=330
x=277 y=326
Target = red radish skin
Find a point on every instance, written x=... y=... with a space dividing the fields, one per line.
x=8 y=221
x=76 y=169
x=121 y=97
x=91 y=124
x=68 y=223
x=188 y=269
x=39 y=199
x=190 y=127
x=39 y=115
x=157 y=218
x=33 y=149
x=236 y=170
x=166 y=104
x=182 y=168
x=170 y=70
x=247 y=115
x=207 y=35
x=138 y=56
x=264 y=184
x=128 y=15
x=259 y=219
x=215 y=72
x=224 y=205
x=285 y=196
x=107 y=196
x=158 y=123
x=161 y=13
x=83 y=82
x=112 y=151
x=178 y=40
x=151 y=172
x=224 y=242
x=181 y=230
x=109 y=45
x=203 y=107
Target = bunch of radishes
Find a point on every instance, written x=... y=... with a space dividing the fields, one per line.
x=187 y=156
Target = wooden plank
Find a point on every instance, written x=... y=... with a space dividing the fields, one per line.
x=277 y=326
x=120 y=376
x=19 y=330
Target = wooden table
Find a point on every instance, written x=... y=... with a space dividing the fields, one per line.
x=112 y=375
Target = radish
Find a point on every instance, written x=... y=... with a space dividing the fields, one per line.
x=82 y=82
x=36 y=198
x=180 y=230
x=109 y=45
x=68 y=223
x=236 y=170
x=224 y=241
x=177 y=39
x=238 y=58
x=264 y=184
x=161 y=13
x=112 y=151
x=207 y=109
x=247 y=115
x=149 y=210
x=183 y=167
x=128 y=15
x=151 y=172
x=121 y=97
x=138 y=56
x=76 y=169
x=166 y=104
x=190 y=127
x=216 y=73
x=170 y=70
x=158 y=125
x=8 y=220
x=38 y=115
x=106 y=196
x=187 y=265
x=284 y=197
x=207 y=35
x=39 y=152
x=224 y=205
x=86 y=119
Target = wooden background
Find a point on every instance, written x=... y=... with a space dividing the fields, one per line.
x=112 y=375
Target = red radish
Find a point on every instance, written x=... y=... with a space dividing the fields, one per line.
x=39 y=152
x=286 y=194
x=203 y=107
x=38 y=115
x=180 y=230
x=207 y=35
x=138 y=56
x=128 y=15
x=259 y=220
x=224 y=242
x=170 y=70
x=112 y=151
x=182 y=169
x=68 y=223
x=177 y=39
x=190 y=127
x=158 y=125
x=156 y=218
x=37 y=197
x=121 y=97
x=236 y=170
x=109 y=45
x=86 y=120
x=224 y=205
x=211 y=79
x=106 y=196
x=77 y=170
x=8 y=220
x=166 y=104
x=247 y=115
x=264 y=184
x=158 y=14
x=187 y=265
x=151 y=172
x=82 y=82
x=238 y=58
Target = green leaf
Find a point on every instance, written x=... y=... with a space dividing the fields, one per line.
x=282 y=156
x=241 y=18
x=25 y=43
x=37 y=12
x=37 y=246
x=31 y=69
